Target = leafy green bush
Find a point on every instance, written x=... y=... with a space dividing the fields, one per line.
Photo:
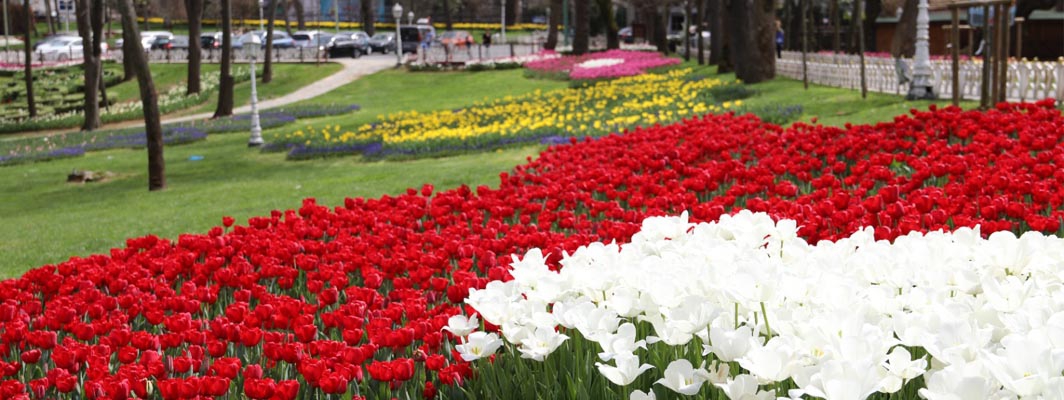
x=776 y=114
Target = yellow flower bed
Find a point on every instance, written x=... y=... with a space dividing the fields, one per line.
x=599 y=109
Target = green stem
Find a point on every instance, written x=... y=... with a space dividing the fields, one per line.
x=765 y=313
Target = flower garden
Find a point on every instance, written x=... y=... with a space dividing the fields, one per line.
x=595 y=111
x=717 y=257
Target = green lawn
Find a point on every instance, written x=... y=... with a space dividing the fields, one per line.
x=46 y=220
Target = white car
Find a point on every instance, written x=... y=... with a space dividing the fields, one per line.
x=147 y=38
x=64 y=48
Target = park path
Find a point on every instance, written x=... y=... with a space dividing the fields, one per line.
x=352 y=70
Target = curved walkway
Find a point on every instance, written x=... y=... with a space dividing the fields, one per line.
x=353 y=69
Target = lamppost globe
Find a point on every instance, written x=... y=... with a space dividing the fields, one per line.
x=397 y=12
x=252 y=44
x=410 y=18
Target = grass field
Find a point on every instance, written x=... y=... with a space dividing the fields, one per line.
x=46 y=220
x=287 y=79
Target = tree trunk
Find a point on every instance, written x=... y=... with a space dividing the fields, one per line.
x=582 y=27
x=301 y=18
x=194 y=9
x=752 y=33
x=835 y=26
x=91 y=64
x=701 y=20
x=367 y=17
x=661 y=31
x=687 y=31
x=872 y=10
x=903 y=43
x=608 y=21
x=28 y=67
x=805 y=44
x=267 y=62
x=861 y=46
x=556 y=13
x=717 y=36
x=287 y=25
x=148 y=97
x=51 y=22
x=225 y=83
x=447 y=19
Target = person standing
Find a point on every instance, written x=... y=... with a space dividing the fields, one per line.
x=779 y=39
x=486 y=39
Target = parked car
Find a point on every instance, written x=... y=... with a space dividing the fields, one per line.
x=214 y=41
x=382 y=42
x=179 y=42
x=53 y=38
x=349 y=44
x=314 y=39
x=455 y=38
x=412 y=35
x=147 y=38
x=281 y=40
x=62 y=48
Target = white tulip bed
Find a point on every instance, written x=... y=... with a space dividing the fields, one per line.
x=744 y=309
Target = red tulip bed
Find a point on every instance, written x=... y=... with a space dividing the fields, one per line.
x=320 y=301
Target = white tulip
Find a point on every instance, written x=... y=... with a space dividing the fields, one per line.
x=621 y=342
x=683 y=378
x=627 y=369
x=460 y=325
x=641 y=395
x=541 y=343
x=729 y=345
x=478 y=345
x=744 y=387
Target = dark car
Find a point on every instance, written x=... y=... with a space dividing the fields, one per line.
x=353 y=45
x=161 y=43
x=412 y=36
x=382 y=42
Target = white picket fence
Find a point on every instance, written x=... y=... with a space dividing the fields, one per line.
x=1027 y=80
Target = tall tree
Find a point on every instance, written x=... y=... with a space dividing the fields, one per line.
x=194 y=9
x=687 y=31
x=225 y=83
x=267 y=62
x=903 y=44
x=858 y=16
x=27 y=14
x=447 y=18
x=367 y=16
x=835 y=26
x=581 y=27
x=301 y=17
x=51 y=22
x=752 y=34
x=556 y=13
x=717 y=34
x=700 y=23
x=148 y=97
x=609 y=22
x=90 y=28
x=872 y=8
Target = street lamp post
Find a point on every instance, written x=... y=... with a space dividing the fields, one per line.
x=502 y=21
x=410 y=18
x=397 y=12
x=252 y=45
x=920 y=88
x=261 y=28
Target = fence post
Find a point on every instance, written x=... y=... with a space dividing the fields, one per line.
x=512 y=50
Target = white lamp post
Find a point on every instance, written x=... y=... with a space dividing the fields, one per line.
x=410 y=18
x=261 y=28
x=920 y=88
x=397 y=12
x=502 y=21
x=252 y=45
